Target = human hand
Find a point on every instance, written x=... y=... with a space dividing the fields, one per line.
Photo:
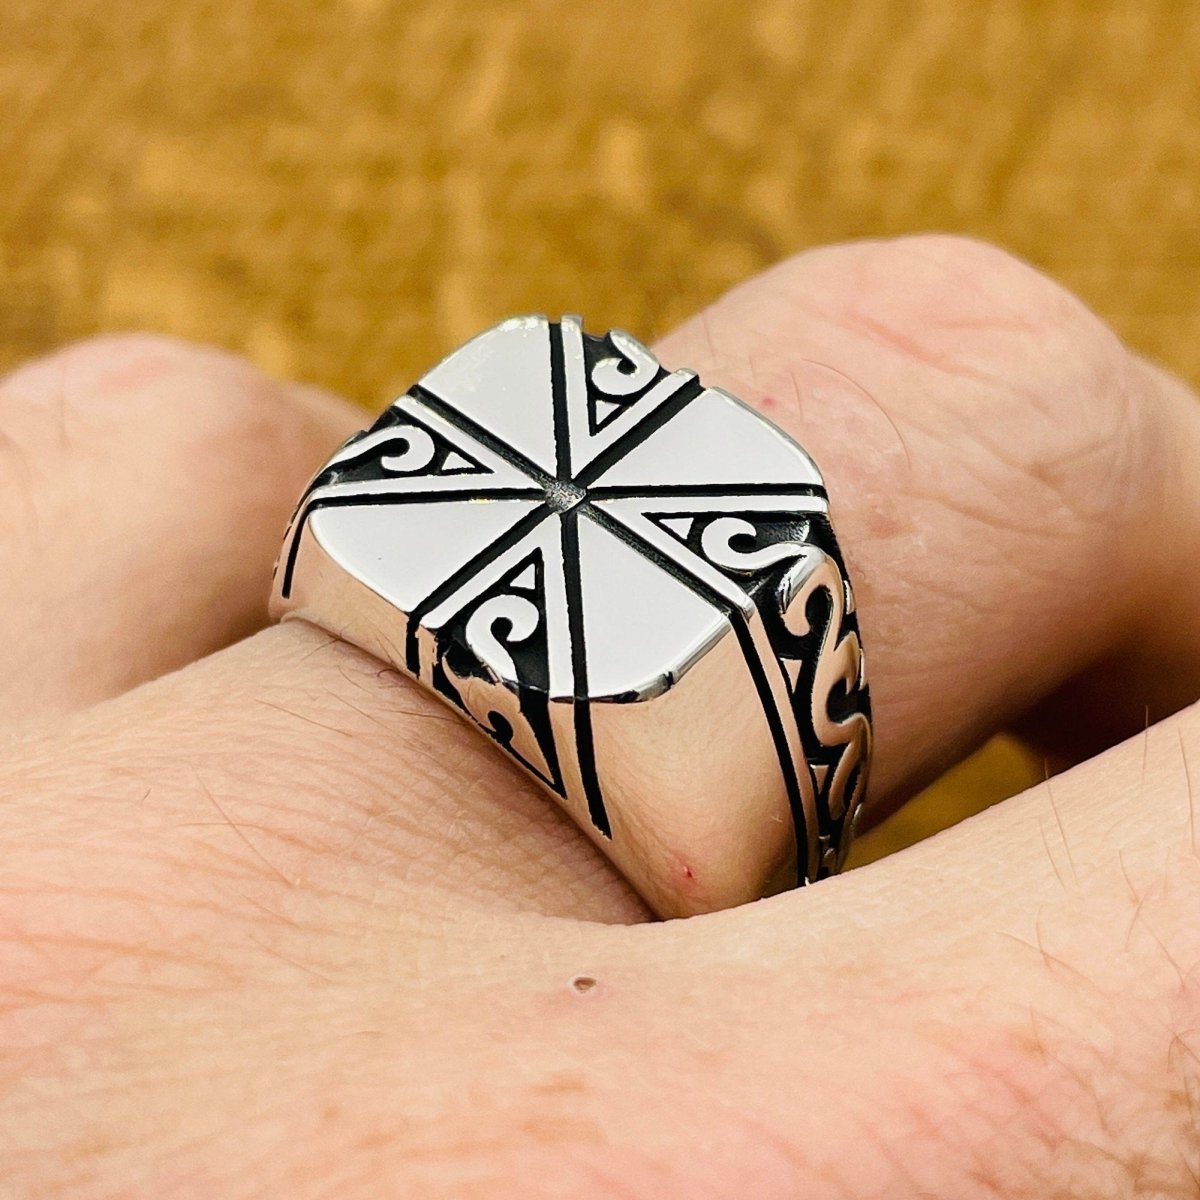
x=279 y=924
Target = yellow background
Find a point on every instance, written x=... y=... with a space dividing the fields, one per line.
x=343 y=189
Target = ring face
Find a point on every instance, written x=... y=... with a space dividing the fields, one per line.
x=628 y=580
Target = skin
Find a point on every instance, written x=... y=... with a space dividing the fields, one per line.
x=276 y=924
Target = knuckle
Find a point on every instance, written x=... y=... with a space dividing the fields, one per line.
x=185 y=409
x=107 y=384
x=1009 y=363
x=974 y=301
x=966 y=339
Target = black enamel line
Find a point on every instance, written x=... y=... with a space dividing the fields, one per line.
x=632 y=438
x=558 y=389
x=476 y=563
x=503 y=450
x=754 y=664
x=704 y=490
x=372 y=499
x=585 y=748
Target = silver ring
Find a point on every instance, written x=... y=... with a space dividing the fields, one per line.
x=629 y=581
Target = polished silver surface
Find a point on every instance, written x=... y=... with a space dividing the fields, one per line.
x=627 y=580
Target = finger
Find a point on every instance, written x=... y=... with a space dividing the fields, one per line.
x=292 y=764
x=1010 y=1009
x=143 y=486
x=1153 y=671
x=1015 y=492
x=993 y=512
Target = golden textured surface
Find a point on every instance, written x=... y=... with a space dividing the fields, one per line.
x=343 y=190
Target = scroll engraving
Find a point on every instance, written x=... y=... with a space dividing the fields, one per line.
x=838 y=672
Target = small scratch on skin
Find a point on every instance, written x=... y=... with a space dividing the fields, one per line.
x=1139 y=901
x=291 y=712
x=362 y=712
x=275 y=952
x=329 y=641
x=273 y=913
x=448 y=718
x=797 y=398
x=1187 y=774
x=1133 y=892
x=1145 y=744
x=1037 y=1035
x=390 y=676
x=1050 y=855
x=1062 y=832
x=706 y=325
x=1180 y=1039
x=395 y=652
x=241 y=833
x=869 y=395
x=1051 y=961
x=361 y=680
x=1183 y=975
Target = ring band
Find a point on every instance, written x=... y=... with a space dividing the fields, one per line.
x=629 y=581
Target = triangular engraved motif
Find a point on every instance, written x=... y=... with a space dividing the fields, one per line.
x=603 y=411
x=527 y=578
x=793 y=667
x=604 y=400
x=458 y=464
x=680 y=526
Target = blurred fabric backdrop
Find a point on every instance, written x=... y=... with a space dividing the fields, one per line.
x=343 y=189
